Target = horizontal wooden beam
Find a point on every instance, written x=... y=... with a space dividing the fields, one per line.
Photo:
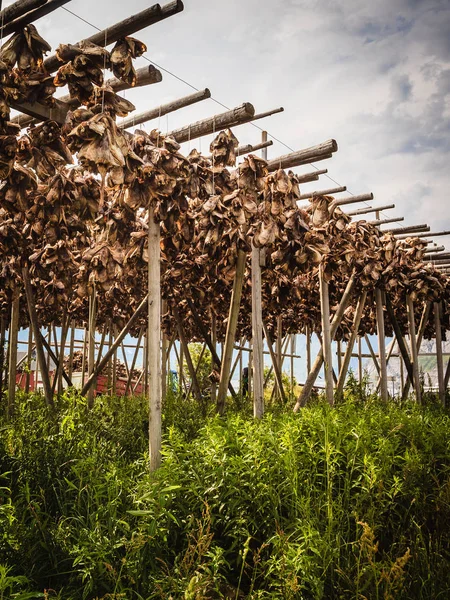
x=164 y=109
x=329 y=192
x=409 y=229
x=19 y=8
x=215 y=124
x=420 y=235
x=353 y=199
x=149 y=16
x=312 y=176
x=301 y=157
x=38 y=111
x=18 y=24
x=248 y=148
x=369 y=209
x=435 y=250
x=436 y=258
x=386 y=221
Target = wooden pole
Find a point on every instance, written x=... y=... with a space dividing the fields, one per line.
x=372 y=354
x=13 y=338
x=303 y=156
x=365 y=211
x=351 y=342
x=276 y=367
x=337 y=318
x=83 y=358
x=154 y=335
x=413 y=346
x=71 y=348
x=91 y=344
x=231 y=330
x=19 y=8
x=326 y=336
x=2 y=353
x=440 y=364
x=37 y=336
x=329 y=192
x=360 y=369
x=29 y=355
x=257 y=323
x=164 y=346
x=164 y=109
x=181 y=334
x=212 y=347
x=133 y=362
x=381 y=344
x=400 y=341
x=308 y=351
x=422 y=326
x=214 y=343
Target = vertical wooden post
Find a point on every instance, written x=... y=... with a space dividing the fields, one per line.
x=214 y=342
x=348 y=353
x=164 y=346
x=231 y=330
x=29 y=355
x=13 y=339
x=60 y=367
x=360 y=370
x=413 y=346
x=71 y=348
x=293 y=346
x=83 y=358
x=381 y=345
x=423 y=322
x=184 y=344
x=308 y=350
x=114 y=364
x=37 y=337
x=339 y=355
x=440 y=364
x=326 y=336
x=91 y=343
x=2 y=353
x=279 y=350
x=154 y=337
x=402 y=372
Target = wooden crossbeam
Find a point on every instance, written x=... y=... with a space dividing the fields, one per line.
x=19 y=8
x=46 y=8
x=435 y=250
x=369 y=209
x=149 y=16
x=230 y=118
x=312 y=176
x=164 y=109
x=248 y=148
x=438 y=256
x=421 y=235
x=305 y=156
x=40 y=112
x=351 y=200
x=385 y=221
x=409 y=229
x=329 y=192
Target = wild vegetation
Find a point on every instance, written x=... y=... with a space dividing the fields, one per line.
x=344 y=502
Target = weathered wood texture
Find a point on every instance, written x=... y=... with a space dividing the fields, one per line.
x=30 y=17
x=164 y=109
x=304 y=156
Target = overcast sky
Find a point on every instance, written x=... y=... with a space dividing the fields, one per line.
x=374 y=75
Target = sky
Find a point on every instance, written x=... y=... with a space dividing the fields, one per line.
x=374 y=75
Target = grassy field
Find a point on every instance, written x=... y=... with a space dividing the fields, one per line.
x=349 y=502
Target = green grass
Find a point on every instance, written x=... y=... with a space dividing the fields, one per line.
x=349 y=502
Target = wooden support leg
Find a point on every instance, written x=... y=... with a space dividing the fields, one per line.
x=164 y=345
x=71 y=348
x=37 y=336
x=214 y=343
x=440 y=364
x=29 y=355
x=231 y=331
x=348 y=353
x=326 y=337
x=360 y=369
x=154 y=334
x=420 y=332
x=400 y=341
x=13 y=339
x=381 y=345
x=308 y=351
x=276 y=368
x=2 y=353
x=187 y=354
x=337 y=318
x=413 y=345
x=91 y=344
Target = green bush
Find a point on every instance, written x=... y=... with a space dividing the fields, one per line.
x=344 y=502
